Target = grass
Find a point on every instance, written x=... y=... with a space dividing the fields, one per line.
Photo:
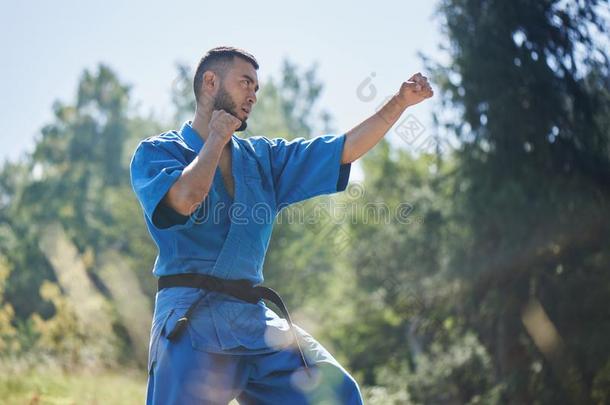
x=66 y=389
x=83 y=388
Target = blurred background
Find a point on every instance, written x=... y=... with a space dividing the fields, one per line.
x=467 y=262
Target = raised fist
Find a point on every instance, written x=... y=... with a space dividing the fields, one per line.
x=415 y=90
x=222 y=124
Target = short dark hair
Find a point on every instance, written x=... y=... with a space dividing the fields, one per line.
x=218 y=60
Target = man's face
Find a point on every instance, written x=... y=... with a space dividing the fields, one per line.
x=237 y=92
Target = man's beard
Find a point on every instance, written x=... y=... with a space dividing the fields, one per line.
x=223 y=101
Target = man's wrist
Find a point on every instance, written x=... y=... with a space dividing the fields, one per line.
x=403 y=104
x=216 y=140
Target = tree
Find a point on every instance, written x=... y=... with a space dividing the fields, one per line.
x=530 y=83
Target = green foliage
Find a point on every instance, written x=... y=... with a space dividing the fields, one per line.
x=531 y=187
x=8 y=338
x=459 y=371
x=66 y=337
x=61 y=335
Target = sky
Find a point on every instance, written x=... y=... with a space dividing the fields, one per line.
x=47 y=45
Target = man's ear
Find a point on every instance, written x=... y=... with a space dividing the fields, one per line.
x=210 y=83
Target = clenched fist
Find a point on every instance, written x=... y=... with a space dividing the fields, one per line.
x=415 y=90
x=222 y=125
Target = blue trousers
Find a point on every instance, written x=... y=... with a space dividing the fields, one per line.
x=182 y=374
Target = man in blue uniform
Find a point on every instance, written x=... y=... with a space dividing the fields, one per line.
x=209 y=199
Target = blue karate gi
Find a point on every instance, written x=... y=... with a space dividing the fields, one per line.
x=233 y=348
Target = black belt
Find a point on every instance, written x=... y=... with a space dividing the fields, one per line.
x=241 y=289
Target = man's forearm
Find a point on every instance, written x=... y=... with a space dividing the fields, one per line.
x=367 y=134
x=196 y=178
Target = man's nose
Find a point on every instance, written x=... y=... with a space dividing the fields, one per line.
x=252 y=98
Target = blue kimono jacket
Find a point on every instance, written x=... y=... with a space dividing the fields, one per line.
x=228 y=237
